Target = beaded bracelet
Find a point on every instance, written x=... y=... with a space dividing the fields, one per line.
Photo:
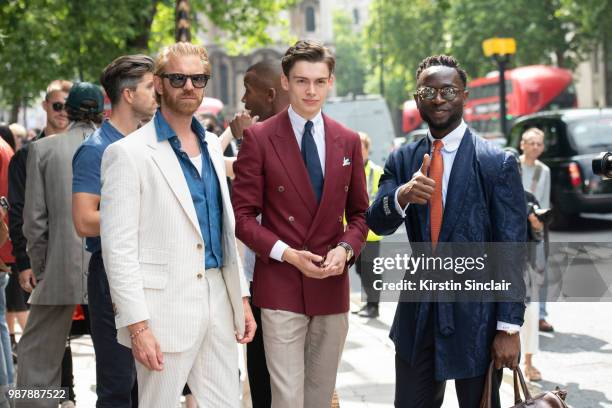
x=137 y=332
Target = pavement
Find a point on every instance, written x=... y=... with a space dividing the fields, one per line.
x=576 y=357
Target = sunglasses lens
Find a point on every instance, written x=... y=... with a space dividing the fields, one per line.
x=199 y=81
x=428 y=93
x=449 y=94
x=57 y=106
x=177 y=80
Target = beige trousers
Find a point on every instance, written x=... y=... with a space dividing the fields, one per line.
x=209 y=367
x=303 y=354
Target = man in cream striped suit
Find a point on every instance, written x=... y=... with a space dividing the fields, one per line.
x=168 y=243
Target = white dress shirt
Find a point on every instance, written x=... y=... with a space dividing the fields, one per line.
x=449 y=151
x=298 y=125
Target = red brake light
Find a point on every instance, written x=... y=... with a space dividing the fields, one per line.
x=574 y=174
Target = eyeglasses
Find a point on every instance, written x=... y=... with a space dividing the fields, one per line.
x=428 y=93
x=58 y=106
x=179 y=80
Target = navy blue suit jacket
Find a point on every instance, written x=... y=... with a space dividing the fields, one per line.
x=485 y=202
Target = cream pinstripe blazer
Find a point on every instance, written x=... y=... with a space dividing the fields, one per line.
x=151 y=241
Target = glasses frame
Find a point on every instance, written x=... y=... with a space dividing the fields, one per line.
x=439 y=91
x=182 y=79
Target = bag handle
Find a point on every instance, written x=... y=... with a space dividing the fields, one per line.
x=485 y=401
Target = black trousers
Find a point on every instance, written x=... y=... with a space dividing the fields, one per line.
x=364 y=266
x=259 y=377
x=416 y=386
x=115 y=368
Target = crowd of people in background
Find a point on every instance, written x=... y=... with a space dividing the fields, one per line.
x=136 y=236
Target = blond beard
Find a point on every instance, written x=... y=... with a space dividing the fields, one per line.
x=184 y=107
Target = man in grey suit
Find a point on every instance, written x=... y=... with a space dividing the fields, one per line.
x=57 y=254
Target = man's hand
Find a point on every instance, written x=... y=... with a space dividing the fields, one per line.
x=249 y=323
x=505 y=350
x=536 y=224
x=420 y=188
x=146 y=348
x=27 y=280
x=306 y=262
x=335 y=260
x=240 y=122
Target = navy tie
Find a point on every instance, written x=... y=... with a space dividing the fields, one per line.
x=310 y=155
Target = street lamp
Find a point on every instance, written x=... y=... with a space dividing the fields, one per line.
x=181 y=32
x=500 y=49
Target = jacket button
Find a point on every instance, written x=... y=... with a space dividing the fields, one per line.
x=340 y=219
x=346 y=189
x=199 y=246
x=291 y=218
x=199 y=275
x=281 y=189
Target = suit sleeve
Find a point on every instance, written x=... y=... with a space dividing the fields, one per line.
x=357 y=202
x=16 y=198
x=508 y=215
x=119 y=217
x=382 y=216
x=248 y=197
x=35 y=216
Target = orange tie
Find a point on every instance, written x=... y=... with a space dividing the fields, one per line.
x=436 y=171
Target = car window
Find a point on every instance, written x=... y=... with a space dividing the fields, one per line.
x=553 y=131
x=592 y=134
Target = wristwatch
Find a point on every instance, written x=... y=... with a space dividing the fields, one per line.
x=348 y=249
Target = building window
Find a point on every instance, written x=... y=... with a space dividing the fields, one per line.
x=310 y=19
x=224 y=80
x=356 y=16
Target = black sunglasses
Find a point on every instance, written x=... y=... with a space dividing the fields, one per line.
x=179 y=80
x=58 y=106
x=428 y=93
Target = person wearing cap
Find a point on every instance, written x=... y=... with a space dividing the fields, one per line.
x=57 y=254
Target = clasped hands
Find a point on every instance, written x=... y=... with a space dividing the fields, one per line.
x=420 y=188
x=315 y=266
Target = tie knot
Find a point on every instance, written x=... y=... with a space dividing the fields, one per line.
x=438 y=144
x=308 y=127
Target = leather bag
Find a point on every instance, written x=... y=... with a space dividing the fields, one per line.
x=550 y=399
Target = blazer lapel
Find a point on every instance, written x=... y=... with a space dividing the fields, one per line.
x=421 y=210
x=462 y=175
x=289 y=155
x=333 y=165
x=165 y=158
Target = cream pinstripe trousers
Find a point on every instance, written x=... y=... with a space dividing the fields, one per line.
x=209 y=367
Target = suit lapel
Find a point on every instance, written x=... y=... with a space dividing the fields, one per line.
x=462 y=175
x=165 y=158
x=421 y=210
x=289 y=155
x=333 y=166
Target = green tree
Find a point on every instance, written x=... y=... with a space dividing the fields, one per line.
x=560 y=32
x=351 y=66
x=41 y=40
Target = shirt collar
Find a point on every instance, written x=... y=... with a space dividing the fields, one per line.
x=453 y=139
x=165 y=132
x=108 y=129
x=299 y=122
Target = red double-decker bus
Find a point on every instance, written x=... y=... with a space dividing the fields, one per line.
x=529 y=89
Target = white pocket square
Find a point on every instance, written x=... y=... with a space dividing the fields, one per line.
x=346 y=162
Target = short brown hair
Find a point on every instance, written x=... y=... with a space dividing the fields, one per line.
x=58 y=85
x=307 y=50
x=124 y=72
x=180 y=49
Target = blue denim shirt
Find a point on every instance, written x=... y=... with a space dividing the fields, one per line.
x=205 y=190
x=86 y=166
